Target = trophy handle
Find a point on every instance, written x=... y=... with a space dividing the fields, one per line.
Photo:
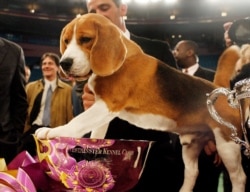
x=212 y=97
x=234 y=103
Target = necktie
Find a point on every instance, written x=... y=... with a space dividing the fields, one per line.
x=46 y=113
x=186 y=71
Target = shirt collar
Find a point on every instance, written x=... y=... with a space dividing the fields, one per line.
x=127 y=34
x=192 y=69
x=48 y=83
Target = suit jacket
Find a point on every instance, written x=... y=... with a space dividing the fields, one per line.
x=61 y=103
x=205 y=73
x=155 y=48
x=13 y=102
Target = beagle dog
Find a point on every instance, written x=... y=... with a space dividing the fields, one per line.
x=144 y=91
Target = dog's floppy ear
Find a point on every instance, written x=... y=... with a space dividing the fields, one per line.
x=62 y=44
x=66 y=35
x=108 y=51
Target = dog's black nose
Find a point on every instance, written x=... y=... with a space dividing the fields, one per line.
x=66 y=64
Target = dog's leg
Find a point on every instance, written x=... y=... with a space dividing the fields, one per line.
x=230 y=154
x=81 y=124
x=191 y=148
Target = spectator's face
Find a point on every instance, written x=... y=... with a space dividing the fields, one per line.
x=180 y=54
x=27 y=74
x=108 y=9
x=49 y=68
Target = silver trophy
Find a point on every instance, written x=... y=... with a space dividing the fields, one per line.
x=238 y=98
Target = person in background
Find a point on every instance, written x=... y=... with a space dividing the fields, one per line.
x=186 y=55
x=77 y=90
x=27 y=73
x=59 y=110
x=13 y=99
x=165 y=156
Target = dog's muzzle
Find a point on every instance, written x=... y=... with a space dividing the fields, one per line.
x=66 y=64
x=64 y=73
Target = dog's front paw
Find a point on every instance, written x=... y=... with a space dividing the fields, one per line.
x=50 y=133
x=42 y=133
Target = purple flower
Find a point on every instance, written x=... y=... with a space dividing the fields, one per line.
x=89 y=176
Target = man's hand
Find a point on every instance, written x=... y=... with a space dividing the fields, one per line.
x=227 y=39
x=88 y=98
x=210 y=149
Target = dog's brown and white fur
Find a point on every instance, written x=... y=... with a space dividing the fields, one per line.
x=146 y=92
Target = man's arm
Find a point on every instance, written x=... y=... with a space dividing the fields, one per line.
x=18 y=103
x=228 y=41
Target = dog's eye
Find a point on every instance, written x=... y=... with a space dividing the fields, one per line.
x=84 y=40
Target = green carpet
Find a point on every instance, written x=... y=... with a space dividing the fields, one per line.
x=220 y=186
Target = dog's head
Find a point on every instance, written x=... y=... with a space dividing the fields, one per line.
x=91 y=43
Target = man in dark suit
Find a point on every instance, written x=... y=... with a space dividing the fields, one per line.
x=186 y=55
x=13 y=99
